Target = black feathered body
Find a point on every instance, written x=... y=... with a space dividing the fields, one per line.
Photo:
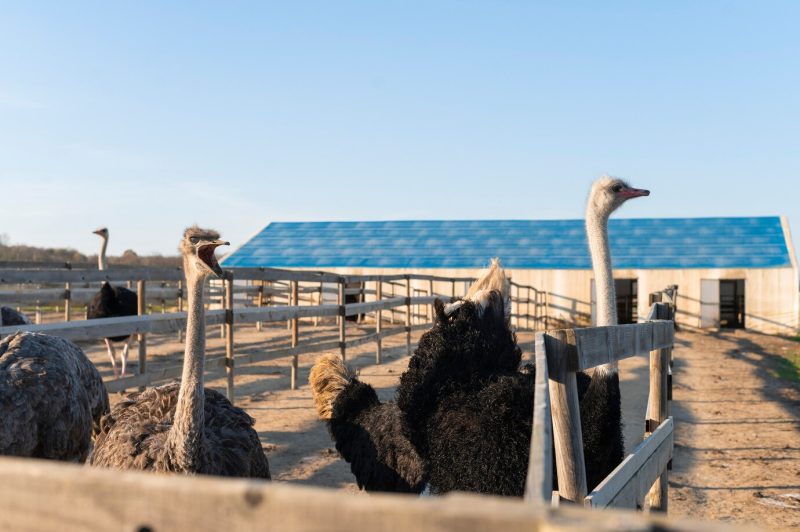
x=468 y=409
x=51 y=397
x=112 y=302
x=134 y=436
x=9 y=317
x=372 y=438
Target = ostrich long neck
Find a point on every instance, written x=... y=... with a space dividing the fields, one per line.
x=606 y=296
x=102 y=263
x=187 y=429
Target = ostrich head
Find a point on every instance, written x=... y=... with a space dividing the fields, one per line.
x=197 y=247
x=102 y=232
x=609 y=193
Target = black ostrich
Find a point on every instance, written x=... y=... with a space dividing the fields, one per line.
x=466 y=408
x=9 y=316
x=112 y=302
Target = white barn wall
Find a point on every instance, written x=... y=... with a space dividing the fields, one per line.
x=772 y=303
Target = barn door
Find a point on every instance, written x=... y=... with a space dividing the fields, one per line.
x=709 y=303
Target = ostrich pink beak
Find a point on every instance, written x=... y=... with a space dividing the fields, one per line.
x=628 y=193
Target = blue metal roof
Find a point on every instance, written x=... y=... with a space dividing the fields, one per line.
x=535 y=244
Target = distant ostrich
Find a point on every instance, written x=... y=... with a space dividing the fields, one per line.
x=184 y=427
x=51 y=398
x=467 y=408
x=9 y=316
x=112 y=302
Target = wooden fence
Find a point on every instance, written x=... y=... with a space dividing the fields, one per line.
x=374 y=295
x=559 y=355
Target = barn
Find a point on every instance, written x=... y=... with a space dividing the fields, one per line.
x=731 y=272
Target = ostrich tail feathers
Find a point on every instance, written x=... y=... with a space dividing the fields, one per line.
x=328 y=378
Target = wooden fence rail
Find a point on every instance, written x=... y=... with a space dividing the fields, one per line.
x=43 y=495
x=284 y=283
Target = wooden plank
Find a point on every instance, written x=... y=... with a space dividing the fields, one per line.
x=595 y=346
x=378 y=323
x=82 y=498
x=141 y=310
x=657 y=406
x=372 y=306
x=539 y=482
x=295 y=336
x=563 y=389
x=283 y=313
x=122 y=326
x=229 y=326
x=342 y=319
x=275 y=274
x=85 y=276
x=628 y=484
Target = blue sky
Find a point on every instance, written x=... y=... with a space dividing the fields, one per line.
x=150 y=116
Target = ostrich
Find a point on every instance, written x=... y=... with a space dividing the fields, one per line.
x=371 y=435
x=51 y=398
x=467 y=408
x=9 y=316
x=111 y=302
x=184 y=427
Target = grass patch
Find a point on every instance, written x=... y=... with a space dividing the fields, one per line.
x=787 y=367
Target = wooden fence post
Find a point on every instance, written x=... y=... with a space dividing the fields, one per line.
x=657 y=411
x=180 y=308
x=141 y=306
x=260 y=303
x=378 y=325
x=453 y=288
x=408 y=314
x=229 y=362
x=528 y=308
x=295 y=332
x=319 y=302
x=563 y=386
x=430 y=306
x=342 y=320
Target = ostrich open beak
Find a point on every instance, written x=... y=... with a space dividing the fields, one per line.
x=628 y=193
x=206 y=253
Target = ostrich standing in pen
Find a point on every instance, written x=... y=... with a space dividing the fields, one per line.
x=112 y=302
x=51 y=398
x=184 y=427
x=465 y=408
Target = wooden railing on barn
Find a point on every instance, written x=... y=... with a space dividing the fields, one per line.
x=559 y=355
x=231 y=315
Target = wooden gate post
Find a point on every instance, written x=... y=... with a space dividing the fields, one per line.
x=260 y=303
x=295 y=333
x=141 y=310
x=229 y=362
x=408 y=314
x=566 y=412
x=657 y=411
x=342 y=320
x=430 y=305
x=378 y=320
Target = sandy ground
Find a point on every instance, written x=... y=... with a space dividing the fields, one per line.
x=737 y=455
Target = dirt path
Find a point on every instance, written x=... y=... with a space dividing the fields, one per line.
x=737 y=455
x=737 y=446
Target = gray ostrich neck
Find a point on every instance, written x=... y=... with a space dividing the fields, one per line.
x=606 y=295
x=187 y=430
x=102 y=263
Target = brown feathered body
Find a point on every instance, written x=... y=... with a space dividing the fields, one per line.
x=51 y=398
x=134 y=436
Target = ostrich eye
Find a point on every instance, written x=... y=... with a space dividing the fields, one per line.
x=194 y=240
x=616 y=188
